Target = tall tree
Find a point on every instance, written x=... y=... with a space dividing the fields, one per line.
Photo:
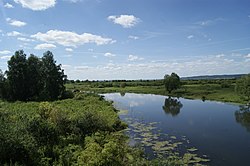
x=53 y=78
x=2 y=82
x=171 y=82
x=18 y=76
x=35 y=81
x=243 y=86
x=32 y=78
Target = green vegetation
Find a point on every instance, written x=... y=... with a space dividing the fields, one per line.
x=32 y=79
x=217 y=89
x=85 y=130
x=243 y=87
x=172 y=82
x=68 y=132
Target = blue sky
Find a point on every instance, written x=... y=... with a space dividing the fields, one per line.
x=130 y=39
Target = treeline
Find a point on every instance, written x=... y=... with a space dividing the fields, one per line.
x=117 y=83
x=32 y=78
x=159 y=82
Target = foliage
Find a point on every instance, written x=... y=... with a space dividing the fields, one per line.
x=123 y=85
x=65 y=132
x=67 y=94
x=53 y=78
x=243 y=86
x=171 y=82
x=32 y=78
x=17 y=76
x=217 y=89
x=2 y=81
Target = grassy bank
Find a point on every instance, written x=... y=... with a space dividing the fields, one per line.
x=217 y=90
x=81 y=131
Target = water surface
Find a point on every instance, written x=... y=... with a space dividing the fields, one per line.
x=214 y=130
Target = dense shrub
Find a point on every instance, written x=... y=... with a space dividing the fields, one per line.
x=65 y=132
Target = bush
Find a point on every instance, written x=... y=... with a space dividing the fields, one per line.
x=67 y=95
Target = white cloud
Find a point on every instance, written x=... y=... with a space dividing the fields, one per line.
x=248 y=55
x=68 y=55
x=69 y=49
x=108 y=54
x=25 y=46
x=15 y=22
x=126 y=21
x=205 y=65
x=25 y=39
x=67 y=38
x=5 y=52
x=219 y=55
x=133 y=37
x=210 y=22
x=14 y=33
x=44 y=46
x=36 y=4
x=190 y=36
x=134 y=58
x=5 y=57
x=82 y=67
x=7 y=5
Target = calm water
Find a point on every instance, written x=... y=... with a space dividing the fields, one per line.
x=219 y=131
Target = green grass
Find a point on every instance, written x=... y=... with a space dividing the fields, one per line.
x=208 y=90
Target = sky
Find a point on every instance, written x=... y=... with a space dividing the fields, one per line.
x=130 y=39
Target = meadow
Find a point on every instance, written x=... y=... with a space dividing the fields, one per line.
x=218 y=89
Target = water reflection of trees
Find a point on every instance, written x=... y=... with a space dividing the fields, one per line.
x=172 y=106
x=242 y=116
x=122 y=94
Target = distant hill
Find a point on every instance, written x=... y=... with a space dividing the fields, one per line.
x=213 y=77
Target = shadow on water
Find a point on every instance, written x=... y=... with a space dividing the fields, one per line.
x=242 y=116
x=172 y=106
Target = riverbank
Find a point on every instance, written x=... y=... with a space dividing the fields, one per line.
x=85 y=130
x=215 y=91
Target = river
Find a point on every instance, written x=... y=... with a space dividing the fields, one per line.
x=216 y=133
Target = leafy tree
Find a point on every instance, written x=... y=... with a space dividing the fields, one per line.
x=243 y=86
x=17 y=76
x=53 y=78
x=2 y=82
x=171 y=82
x=32 y=78
x=34 y=72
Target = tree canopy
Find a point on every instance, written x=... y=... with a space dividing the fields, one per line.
x=33 y=78
x=171 y=82
x=243 y=86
